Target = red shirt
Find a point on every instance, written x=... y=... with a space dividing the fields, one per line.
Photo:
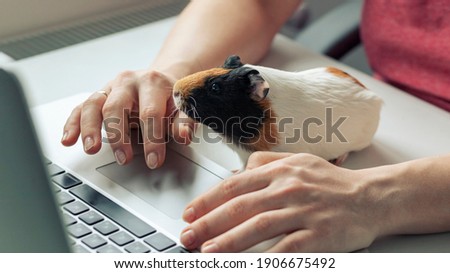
x=407 y=43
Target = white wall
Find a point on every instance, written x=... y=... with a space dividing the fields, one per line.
x=24 y=16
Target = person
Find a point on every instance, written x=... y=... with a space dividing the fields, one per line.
x=316 y=205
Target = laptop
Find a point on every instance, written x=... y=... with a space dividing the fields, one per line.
x=57 y=199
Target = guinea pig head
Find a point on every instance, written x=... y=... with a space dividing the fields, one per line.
x=232 y=99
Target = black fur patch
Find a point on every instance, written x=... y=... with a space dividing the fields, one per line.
x=224 y=104
x=232 y=62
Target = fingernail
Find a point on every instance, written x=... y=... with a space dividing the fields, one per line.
x=64 y=137
x=188 y=238
x=210 y=248
x=88 y=143
x=189 y=215
x=152 y=160
x=121 y=158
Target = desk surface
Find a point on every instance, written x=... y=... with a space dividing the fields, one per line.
x=409 y=128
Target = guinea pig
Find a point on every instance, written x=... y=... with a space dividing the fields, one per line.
x=322 y=111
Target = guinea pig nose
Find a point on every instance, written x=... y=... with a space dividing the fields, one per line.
x=176 y=94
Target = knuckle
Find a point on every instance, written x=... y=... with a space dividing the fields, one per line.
x=263 y=223
x=229 y=188
x=124 y=78
x=77 y=108
x=150 y=111
x=200 y=206
x=150 y=77
x=227 y=241
x=203 y=228
x=90 y=102
x=153 y=74
x=290 y=191
x=294 y=245
x=236 y=208
x=153 y=77
x=278 y=168
x=125 y=75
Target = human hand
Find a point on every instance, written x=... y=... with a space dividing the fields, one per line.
x=146 y=94
x=318 y=206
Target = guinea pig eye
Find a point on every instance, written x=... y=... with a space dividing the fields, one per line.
x=215 y=87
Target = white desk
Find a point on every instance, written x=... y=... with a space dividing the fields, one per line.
x=409 y=128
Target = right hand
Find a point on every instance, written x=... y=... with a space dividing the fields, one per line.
x=148 y=94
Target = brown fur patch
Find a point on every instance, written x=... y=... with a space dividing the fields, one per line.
x=188 y=83
x=268 y=134
x=342 y=74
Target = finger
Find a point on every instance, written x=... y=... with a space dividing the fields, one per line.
x=262 y=227
x=91 y=122
x=226 y=217
x=71 y=130
x=152 y=110
x=116 y=112
x=258 y=159
x=298 y=241
x=228 y=189
x=182 y=128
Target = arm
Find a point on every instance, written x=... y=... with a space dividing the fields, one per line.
x=204 y=34
x=317 y=206
x=413 y=197
x=209 y=31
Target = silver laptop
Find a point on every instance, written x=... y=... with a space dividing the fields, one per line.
x=69 y=201
x=62 y=200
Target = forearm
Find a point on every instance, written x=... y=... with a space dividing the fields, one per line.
x=206 y=32
x=413 y=197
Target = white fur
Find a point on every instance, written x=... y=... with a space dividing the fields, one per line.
x=307 y=94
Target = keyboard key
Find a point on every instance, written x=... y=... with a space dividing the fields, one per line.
x=91 y=217
x=137 y=247
x=118 y=214
x=54 y=169
x=93 y=241
x=106 y=227
x=178 y=249
x=108 y=249
x=121 y=238
x=68 y=220
x=78 y=230
x=64 y=198
x=80 y=249
x=76 y=207
x=159 y=241
x=66 y=180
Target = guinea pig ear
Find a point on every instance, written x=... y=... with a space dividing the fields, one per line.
x=232 y=62
x=259 y=88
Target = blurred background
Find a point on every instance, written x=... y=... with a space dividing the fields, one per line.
x=31 y=27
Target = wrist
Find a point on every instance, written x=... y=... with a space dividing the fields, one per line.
x=386 y=202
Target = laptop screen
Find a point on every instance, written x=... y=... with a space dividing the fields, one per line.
x=30 y=221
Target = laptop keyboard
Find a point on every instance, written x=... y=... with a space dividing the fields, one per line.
x=95 y=223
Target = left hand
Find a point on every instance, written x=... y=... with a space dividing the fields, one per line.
x=319 y=207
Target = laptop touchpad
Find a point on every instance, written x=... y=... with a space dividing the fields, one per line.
x=169 y=188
